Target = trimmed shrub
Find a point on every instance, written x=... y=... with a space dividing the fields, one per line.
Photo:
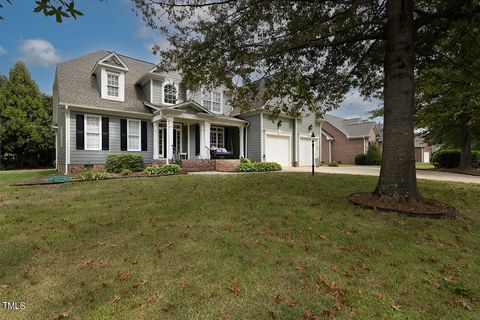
x=333 y=164
x=450 y=158
x=258 y=167
x=245 y=160
x=163 y=169
x=361 y=159
x=373 y=156
x=126 y=172
x=93 y=175
x=117 y=162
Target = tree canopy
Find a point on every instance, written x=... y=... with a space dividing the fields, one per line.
x=27 y=138
x=59 y=9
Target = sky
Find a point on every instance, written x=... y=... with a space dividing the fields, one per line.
x=111 y=25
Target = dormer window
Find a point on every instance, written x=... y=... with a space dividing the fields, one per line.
x=169 y=94
x=113 y=84
x=212 y=100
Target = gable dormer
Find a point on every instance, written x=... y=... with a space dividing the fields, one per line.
x=110 y=73
x=162 y=88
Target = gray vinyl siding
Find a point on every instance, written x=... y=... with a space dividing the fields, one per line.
x=99 y=156
x=157 y=92
x=61 y=135
x=146 y=91
x=192 y=142
x=254 y=137
x=184 y=139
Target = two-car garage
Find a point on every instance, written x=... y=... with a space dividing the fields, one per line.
x=278 y=148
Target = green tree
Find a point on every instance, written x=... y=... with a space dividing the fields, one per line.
x=59 y=9
x=448 y=104
x=25 y=120
x=314 y=51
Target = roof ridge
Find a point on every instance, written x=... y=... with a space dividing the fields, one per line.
x=133 y=58
x=84 y=55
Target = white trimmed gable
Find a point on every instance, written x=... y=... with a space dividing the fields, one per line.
x=110 y=73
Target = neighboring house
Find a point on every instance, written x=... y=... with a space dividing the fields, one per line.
x=106 y=103
x=423 y=152
x=343 y=139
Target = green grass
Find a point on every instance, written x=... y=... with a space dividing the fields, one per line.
x=250 y=246
x=424 y=166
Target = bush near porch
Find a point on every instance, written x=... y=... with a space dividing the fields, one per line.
x=117 y=162
x=247 y=166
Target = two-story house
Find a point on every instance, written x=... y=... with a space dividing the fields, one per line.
x=105 y=103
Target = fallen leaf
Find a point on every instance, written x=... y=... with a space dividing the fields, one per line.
x=396 y=307
x=234 y=288
x=125 y=276
x=115 y=298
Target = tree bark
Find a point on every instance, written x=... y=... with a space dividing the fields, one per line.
x=398 y=181
x=466 y=146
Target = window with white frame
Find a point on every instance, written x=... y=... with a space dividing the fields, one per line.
x=212 y=100
x=133 y=135
x=93 y=134
x=169 y=94
x=217 y=137
x=113 y=86
x=160 y=143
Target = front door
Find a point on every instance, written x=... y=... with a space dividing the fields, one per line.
x=177 y=140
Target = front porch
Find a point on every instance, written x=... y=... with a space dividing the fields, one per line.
x=187 y=132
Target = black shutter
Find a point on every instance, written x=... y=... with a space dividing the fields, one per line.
x=105 y=133
x=197 y=139
x=226 y=140
x=123 y=134
x=80 y=132
x=144 y=135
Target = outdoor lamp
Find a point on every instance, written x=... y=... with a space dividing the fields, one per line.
x=312 y=135
x=279 y=124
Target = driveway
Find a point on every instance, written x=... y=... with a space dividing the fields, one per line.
x=375 y=171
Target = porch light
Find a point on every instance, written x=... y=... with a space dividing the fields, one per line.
x=279 y=124
x=310 y=128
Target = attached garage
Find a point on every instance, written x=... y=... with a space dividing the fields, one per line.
x=305 y=151
x=278 y=148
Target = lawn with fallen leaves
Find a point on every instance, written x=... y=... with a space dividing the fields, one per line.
x=248 y=246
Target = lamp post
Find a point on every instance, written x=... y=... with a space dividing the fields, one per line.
x=312 y=135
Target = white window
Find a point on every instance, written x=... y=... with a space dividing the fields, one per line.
x=169 y=94
x=212 y=100
x=93 y=134
x=133 y=135
x=217 y=137
x=113 y=84
x=160 y=142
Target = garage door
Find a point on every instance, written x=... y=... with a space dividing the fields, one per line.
x=277 y=149
x=305 y=151
x=426 y=156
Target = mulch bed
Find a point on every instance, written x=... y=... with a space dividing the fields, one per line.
x=43 y=180
x=421 y=209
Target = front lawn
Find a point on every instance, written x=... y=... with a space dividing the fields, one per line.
x=249 y=246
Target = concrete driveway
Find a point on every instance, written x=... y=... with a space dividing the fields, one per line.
x=375 y=171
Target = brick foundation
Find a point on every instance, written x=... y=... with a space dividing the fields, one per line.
x=199 y=165
x=226 y=165
x=159 y=162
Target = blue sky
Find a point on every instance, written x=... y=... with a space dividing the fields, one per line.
x=111 y=25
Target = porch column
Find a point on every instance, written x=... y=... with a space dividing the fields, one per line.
x=155 y=140
x=206 y=142
x=202 y=140
x=169 y=138
x=242 y=142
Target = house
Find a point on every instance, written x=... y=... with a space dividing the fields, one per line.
x=423 y=151
x=105 y=103
x=343 y=139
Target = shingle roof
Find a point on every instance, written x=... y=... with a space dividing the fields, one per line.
x=76 y=84
x=355 y=127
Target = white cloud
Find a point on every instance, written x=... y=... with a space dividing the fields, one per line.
x=354 y=106
x=38 y=52
x=152 y=37
x=2 y=50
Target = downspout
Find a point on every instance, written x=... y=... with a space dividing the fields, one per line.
x=296 y=141
x=67 y=139
x=329 y=151
x=245 y=147
x=262 y=139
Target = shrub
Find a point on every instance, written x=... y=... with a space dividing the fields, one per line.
x=93 y=175
x=163 y=169
x=245 y=160
x=333 y=164
x=450 y=158
x=126 y=172
x=373 y=156
x=258 y=167
x=117 y=162
x=361 y=159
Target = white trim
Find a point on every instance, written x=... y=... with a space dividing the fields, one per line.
x=139 y=134
x=329 y=151
x=364 y=146
x=151 y=90
x=242 y=141
x=316 y=150
x=204 y=94
x=85 y=108
x=262 y=139
x=297 y=142
x=104 y=83
x=101 y=62
x=56 y=149
x=156 y=133
x=67 y=138
x=85 y=131
x=217 y=133
x=289 y=135
x=188 y=141
x=175 y=85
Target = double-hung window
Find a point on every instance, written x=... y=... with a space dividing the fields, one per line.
x=217 y=137
x=169 y=94
x=212 y=101
x=113 y=84
x=93 y=134
x=133 y=135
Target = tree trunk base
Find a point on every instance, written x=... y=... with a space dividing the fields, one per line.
x=418 y=208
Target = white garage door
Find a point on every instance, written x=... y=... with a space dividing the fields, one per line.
x=305 y=151
x=277 y=149
x=426 y=156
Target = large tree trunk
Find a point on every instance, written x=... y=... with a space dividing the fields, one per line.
x=466 y=147
x=398 y=181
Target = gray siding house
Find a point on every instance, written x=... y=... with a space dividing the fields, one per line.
x=105 y=103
